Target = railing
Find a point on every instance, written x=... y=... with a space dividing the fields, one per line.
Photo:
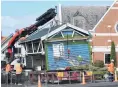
x=28 y=78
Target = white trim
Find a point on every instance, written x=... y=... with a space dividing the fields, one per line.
x=114 y=8
x=104 y=58
x=38 y=46
x=35 y=53
x=53 y=32
x=105 y=34
x=102 y=48
x=103 y=16
x=73 y=33
x=77 y=28
x=62 y=34
x=68 y=39
x=53 y=36
x=26 y=47
x=61 y=28
x=32 y=47
x=79 y=33
x=42 y=49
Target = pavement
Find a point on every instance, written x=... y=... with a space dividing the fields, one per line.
x=101 y=84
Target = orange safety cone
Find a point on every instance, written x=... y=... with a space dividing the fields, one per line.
x=83 y=79
x=115 y=77
x=39 y=82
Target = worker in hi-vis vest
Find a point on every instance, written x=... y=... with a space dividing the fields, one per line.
x=111 y=70
x=18 y=68
x=7 y=69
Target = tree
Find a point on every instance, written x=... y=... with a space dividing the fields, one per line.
x=99 y=63
x=113 y=53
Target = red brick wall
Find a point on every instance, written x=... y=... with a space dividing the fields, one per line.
x=110 y=19
x=103 y=40
x=98 y=56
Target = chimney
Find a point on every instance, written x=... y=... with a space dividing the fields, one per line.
x=60 y=15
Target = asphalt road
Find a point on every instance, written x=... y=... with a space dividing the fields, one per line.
x=101 y=84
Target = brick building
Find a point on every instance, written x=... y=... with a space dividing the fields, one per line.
x=104 y=33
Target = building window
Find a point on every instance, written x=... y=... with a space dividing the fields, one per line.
x=116 y=27
x=79 y=21
x=29 y=47
x=3 y=52
x=107 y=59
x=58 y=50
x=17 y=50
x=35 y=45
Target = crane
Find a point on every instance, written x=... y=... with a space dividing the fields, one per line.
x=41 y=20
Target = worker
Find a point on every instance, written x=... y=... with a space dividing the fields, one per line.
x=111 y=70
x=7 y=69
x=18 y=68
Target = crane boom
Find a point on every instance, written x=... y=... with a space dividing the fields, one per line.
x=47 y=16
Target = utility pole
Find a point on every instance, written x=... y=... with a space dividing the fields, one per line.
x=67 y=46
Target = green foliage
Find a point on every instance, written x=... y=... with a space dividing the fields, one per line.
x=99 y=63
x=113 y=53
x=81 y=67
x=89 y=67
x=99 y=72
x=79 y=58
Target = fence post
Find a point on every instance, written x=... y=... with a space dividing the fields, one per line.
x=69 y=78
x=58 y=77
x=83 y=79
x=116 y=77
x=45 y=78
x=7 y=78
x=11 y=78
x=80 y=76
x=93 y=78
x=39 y=81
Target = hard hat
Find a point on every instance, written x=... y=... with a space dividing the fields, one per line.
x=18 y=61
x=112 y=60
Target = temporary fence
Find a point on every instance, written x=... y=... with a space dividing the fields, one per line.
x=63 y=76
x=31 y=77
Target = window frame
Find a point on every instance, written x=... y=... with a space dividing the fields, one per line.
x=116 y=25
x=61 y=50
x=105 y=58
x=18 y=50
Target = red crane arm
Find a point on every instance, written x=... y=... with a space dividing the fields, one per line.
x=47 y=16
x=13 y=40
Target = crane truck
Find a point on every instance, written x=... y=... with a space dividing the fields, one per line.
x=19 y=33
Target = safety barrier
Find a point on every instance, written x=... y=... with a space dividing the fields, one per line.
x=31 y=77
x=60 y=77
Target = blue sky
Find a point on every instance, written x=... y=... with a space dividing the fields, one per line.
x=20 y=14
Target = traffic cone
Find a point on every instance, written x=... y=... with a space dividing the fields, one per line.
x=39 y=82
x=83 y=79
x=115 y=77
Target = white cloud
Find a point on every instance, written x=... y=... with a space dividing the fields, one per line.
x=10 y=23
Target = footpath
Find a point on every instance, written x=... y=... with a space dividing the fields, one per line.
x=101 y=84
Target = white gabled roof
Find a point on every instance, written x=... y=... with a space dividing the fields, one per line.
x=63 y=27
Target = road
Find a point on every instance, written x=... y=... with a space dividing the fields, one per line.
x=101 y=84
